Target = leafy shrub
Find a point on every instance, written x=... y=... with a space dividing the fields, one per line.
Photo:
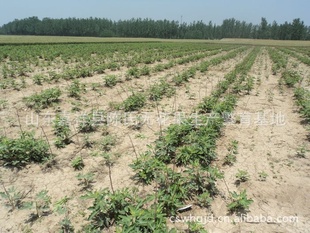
x=87 y=123
x=146 y=168
x=240 y=202
x=41 y=204
x=44 y=99
x=62 y=131
x=134 y=102
x=303 y=100
x=78 y=163
x=38 y=79
x=133 y=73
x=75 y=89
x=110 y=80
x=108 y=207
x=113 y=66
x=290 y=78
x=158 y=90
x=13 y=198
x=108 y=142
x=145 y=70
x=207 y=105
x=23 y=150
x=242 y=176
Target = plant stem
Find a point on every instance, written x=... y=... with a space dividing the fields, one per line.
x=133 y=146
x=18 y=118
x=9 y=197
x=110 y=177
x=49 y=145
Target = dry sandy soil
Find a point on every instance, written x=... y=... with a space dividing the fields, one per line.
x=269 y=134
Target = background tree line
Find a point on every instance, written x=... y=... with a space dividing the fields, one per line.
x=100 y=27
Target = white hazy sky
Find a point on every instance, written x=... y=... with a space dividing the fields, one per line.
x=205 y=10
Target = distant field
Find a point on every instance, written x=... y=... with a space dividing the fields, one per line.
x=101 y=137
x=65 y=39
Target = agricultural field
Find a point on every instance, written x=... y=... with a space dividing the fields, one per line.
x=154 y=136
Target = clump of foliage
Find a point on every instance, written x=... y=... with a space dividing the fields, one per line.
x=78 y=163
x=132 y=73
x=43 y=99
x=134 y=102
x=62 y=131
x=231 y=158
x=13 y=197
x=239 y=202
x=38 y=79
x=41 y=204
x=290 y=78
x=23 y=150
x=125 y=209
x=75 y=89
x=303 y=101
x=86 y=179
x=242 y=176
x=110 y=80
x=158 y=90
x=87 y=123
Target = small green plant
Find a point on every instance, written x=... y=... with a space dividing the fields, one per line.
x=66 y=226
x=146 y=168
x=238 y=119
x=145 y=70
x=44 y=99
x=195 y=227
x=62 y=131
x=158 y=90
x=95 y=86
x=75 y=89
x=61 y=207
x=78 y=163
x=3 y=104
x=108 y=142
x=108 y=207
x=262 y=176
x=23 y=150
x=134 y=102
x=12 y=197
x=132 y=73
x=41 y=204
x=87 y=142
x=38 y=79
x=231 y=158
x=113 y=66
x=86 y=179
x=301 y=151
x=249 y=84
x=242 y=176
x=270 y=95
x=109 y=162
x=290 y=78
x=204 y=199
x=240 y=202
x=110 y=80
x=87 y=123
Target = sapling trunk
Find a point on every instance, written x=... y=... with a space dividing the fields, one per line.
x=133 y=146
x=9 y=197
x=18 y=118
x=49 y=145
x=110 y=177
x=159 y=120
